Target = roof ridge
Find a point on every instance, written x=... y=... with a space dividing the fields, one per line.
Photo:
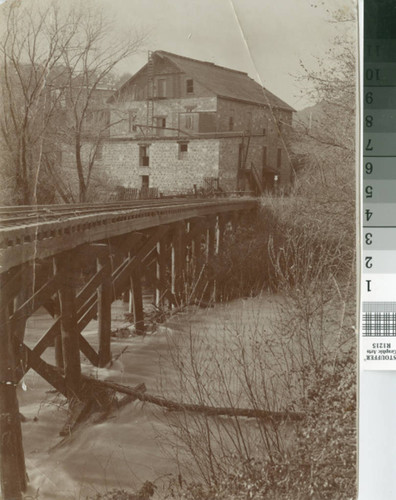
x=200 y=61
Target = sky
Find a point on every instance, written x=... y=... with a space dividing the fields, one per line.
x=265 y=38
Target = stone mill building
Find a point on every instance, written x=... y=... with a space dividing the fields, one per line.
x=181 y=125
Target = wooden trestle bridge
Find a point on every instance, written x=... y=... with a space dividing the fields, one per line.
x=74 y=261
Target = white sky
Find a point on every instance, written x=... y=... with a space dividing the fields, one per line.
x=265 y=38
x=278 y=33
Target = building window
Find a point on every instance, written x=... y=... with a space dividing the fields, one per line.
x=134 y=92
x=132 y=115
x=189 y=121
x=264 y=131
x=183 y=150
x=279 y=159
x=161 y=87
x=231 y=124
x=98 y=117
x=189 y=86
x=249 y=122
x=144 y=159
x=160 y=124
x=264 y=156
x=145 y=181
x=280 y=128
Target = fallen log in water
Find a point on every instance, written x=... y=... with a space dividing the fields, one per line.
x=140 y=394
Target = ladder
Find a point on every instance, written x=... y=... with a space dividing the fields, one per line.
x=251 y=173
x=256 y=180
x=150 y=90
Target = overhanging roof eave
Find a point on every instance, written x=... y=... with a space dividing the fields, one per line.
x=259 y=103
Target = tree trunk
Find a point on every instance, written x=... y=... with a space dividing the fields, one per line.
x=12 y=461
x=82 y=187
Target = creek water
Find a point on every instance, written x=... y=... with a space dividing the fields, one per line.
x=126 y=449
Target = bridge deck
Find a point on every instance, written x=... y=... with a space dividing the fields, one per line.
x=27 y=233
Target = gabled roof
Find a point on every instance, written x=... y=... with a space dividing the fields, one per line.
x=223 y=82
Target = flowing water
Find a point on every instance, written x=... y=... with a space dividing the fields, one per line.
x=124 y=450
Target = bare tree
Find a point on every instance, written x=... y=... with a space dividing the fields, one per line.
x=326 y=132
x=29 y=53
x=54 y=60
x=88 y=63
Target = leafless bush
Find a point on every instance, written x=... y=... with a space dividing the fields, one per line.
x=223 y=369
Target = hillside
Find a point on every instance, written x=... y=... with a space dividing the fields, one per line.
x=312 y=116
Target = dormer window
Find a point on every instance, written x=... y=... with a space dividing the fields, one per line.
x=189 y=86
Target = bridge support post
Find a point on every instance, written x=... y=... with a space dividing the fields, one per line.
x=104 y=310
x=222 y=221
x=12 y=460
x=66 y=269
x=211 y=238
x=197 y=252
x=137 y=298
x=161 y=273
x=221 y=226
x=58 y=350
x=198 y=259
x=210 y=252
x=58 y=337
x=177 y=260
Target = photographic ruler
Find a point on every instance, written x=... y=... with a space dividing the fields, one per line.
x=378 y=276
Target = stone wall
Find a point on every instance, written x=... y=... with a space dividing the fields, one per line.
x=170 y=169
x=256 y=140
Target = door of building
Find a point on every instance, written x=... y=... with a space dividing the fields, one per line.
x=144 y=191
